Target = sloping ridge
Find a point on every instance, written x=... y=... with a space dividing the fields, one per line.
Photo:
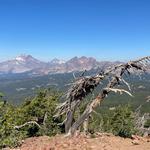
x=82 y=142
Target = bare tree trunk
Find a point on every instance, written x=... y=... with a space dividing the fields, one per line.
x=97 y=101
x=70 y=115
x=69 y=120
x=85 y=114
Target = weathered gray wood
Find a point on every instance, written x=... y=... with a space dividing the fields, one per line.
x=83 y=86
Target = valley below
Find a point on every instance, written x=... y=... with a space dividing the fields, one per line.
x=18 y=87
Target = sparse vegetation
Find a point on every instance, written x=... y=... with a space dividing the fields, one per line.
x=41 y=115
x=119 y=121
x=33 y=118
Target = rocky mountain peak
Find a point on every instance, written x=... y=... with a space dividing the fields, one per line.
x=24 y=58
x=27 y=63
x=57 y=61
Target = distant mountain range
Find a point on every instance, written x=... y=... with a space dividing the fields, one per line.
x=27 y=63
x=24 y=75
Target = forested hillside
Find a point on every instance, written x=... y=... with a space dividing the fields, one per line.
x=17 y=87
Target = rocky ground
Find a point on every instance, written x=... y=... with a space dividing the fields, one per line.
x=82 y=142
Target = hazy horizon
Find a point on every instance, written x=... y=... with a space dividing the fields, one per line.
x=59 y=58
x=105 y=30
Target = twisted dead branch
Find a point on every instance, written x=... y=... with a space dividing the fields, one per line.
x=141 y=120
x=85 y=85
x=27 y=123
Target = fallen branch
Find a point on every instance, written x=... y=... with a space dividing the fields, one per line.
x=119 y=90
x=27 y=123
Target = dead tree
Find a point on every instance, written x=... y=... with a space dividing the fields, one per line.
x=140 y=120
x=84 y=85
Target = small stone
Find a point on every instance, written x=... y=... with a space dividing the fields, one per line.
x=135 y=142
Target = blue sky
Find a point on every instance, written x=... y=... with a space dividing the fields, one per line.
x=104 y=29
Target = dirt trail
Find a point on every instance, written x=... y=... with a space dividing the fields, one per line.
x=81 y=142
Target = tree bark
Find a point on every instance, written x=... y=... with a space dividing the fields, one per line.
x=85 y=114
x=70 y=116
